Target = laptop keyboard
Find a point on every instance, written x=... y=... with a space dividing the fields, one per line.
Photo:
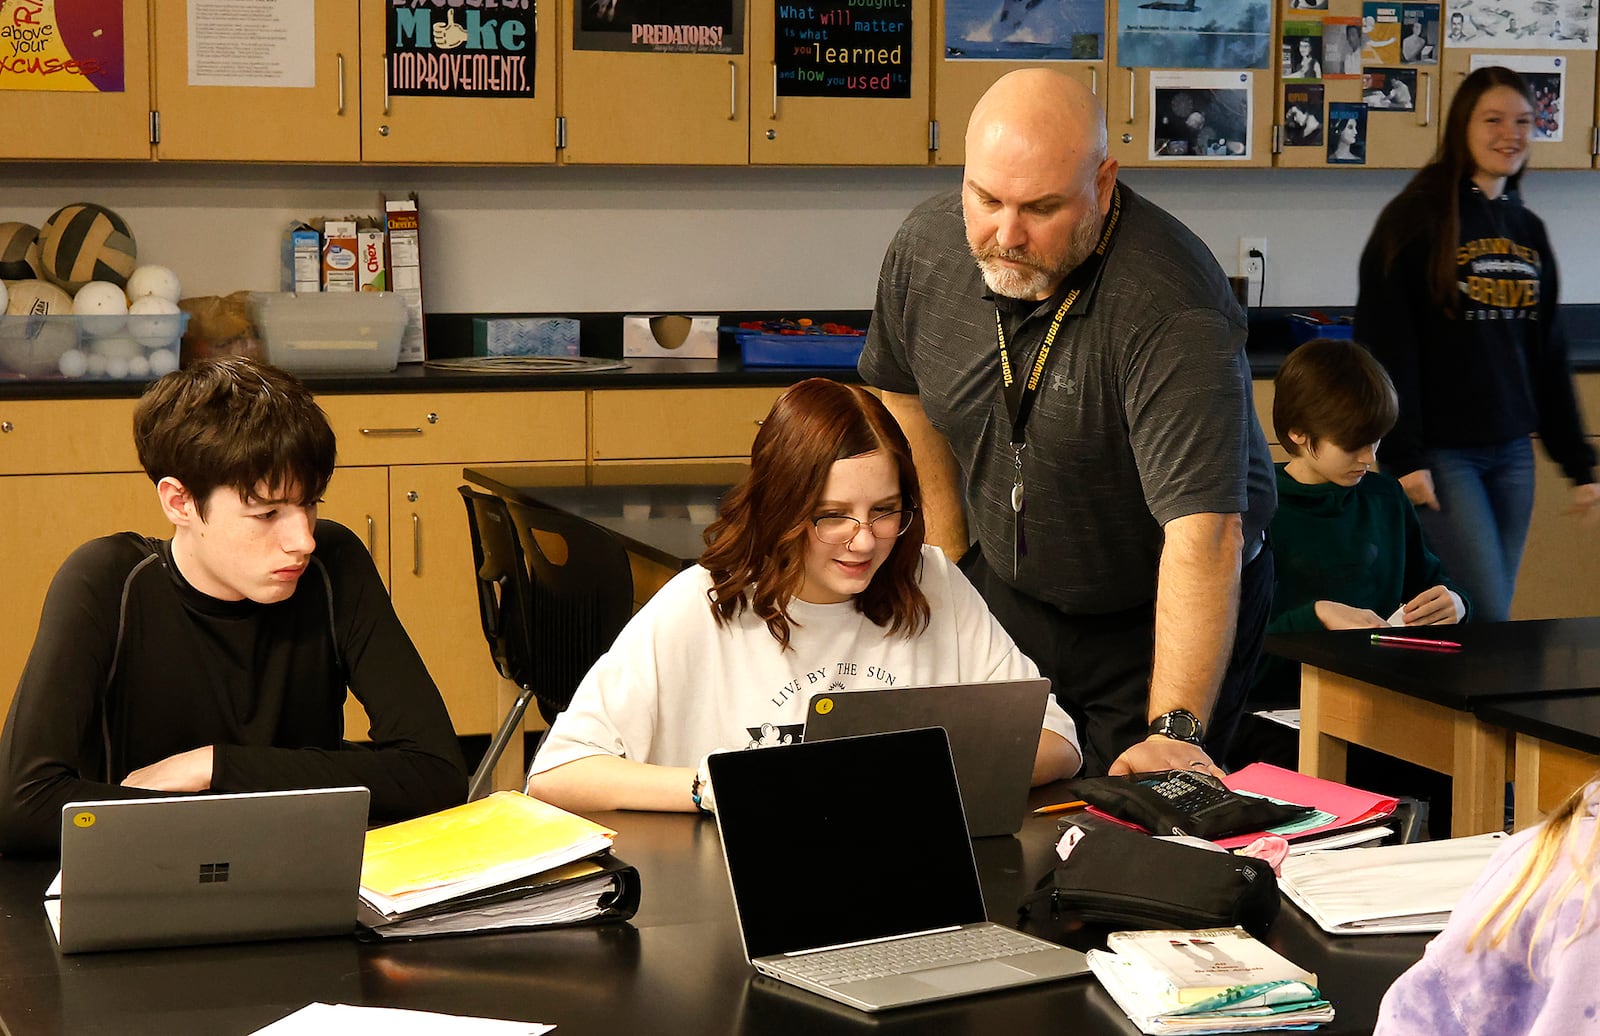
x=899 y=956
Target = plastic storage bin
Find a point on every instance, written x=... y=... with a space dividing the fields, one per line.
x=354 y=332
x=1303 y=328
x=96 y=348
x=762 y=349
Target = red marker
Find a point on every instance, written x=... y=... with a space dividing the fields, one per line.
x=1415 y=642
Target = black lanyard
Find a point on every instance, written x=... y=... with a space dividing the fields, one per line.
x=1019 y=404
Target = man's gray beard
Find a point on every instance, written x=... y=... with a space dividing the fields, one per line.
x=1038 y=282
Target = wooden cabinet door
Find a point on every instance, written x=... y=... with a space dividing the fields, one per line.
x=80 y=124
x=45 y=518
x=1575 y=150
x=319 y=123
x=860 y=130
x=1395 y=139
x=1132 y=125
x=454 y=130
x=358 y=499
x=647 y=424
x=958 y=83
x=1560 y=574
x=431 y=583
x=653 y=109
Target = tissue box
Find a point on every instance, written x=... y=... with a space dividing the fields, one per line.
x=524 y=336
x=669 y=336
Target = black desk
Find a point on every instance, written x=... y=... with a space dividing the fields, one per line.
x=1428 y=706
x=659 y=512
x=677 y=968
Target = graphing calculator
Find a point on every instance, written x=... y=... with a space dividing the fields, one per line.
x=1191 y=794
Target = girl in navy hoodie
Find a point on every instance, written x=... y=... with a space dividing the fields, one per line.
x=1458 y=300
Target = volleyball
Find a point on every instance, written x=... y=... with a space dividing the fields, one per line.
x=19 y=251
x=85 y=242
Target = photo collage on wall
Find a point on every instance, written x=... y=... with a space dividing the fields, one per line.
x=1381 y=49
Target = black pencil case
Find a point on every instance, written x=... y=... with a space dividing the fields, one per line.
x=1127 y=879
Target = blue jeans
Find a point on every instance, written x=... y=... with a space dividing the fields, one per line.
x=1485 y=503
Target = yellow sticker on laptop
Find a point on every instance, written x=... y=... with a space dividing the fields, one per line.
x=823 y=706
x=84 y=819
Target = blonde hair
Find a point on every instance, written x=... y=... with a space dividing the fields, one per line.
x=1560 y=836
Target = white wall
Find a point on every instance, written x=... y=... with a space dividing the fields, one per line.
x=619 y=239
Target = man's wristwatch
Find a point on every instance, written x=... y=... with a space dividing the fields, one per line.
x=1180 y=725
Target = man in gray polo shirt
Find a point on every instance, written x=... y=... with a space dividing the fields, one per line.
x=1084 y=383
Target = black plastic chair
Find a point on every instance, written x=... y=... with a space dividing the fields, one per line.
x=553 y=592
x=581 y=597
x=504 y=599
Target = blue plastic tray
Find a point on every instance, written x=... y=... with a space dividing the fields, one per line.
x=761 y=349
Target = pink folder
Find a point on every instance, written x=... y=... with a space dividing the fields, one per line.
x=1351 y=807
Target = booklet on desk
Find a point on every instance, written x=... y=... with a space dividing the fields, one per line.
x=457 y=852
x=1340 y=807
x=1210 y=980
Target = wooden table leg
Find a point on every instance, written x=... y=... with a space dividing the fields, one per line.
x=1321 y=755
x=1478 y=777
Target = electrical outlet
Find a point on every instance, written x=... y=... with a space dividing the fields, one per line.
x=1251 y=266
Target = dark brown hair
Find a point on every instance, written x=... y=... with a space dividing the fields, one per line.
x=1430 y=205
x=755 y=550
x=1333 y=390
x=232 y=421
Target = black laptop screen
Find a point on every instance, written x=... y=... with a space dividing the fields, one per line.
x=837 y=841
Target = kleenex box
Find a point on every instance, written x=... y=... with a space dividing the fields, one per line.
x=524 y=336
x=670 y=335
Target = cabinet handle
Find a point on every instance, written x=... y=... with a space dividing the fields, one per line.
x=341 y=84
x=1094 y=80
x=733 y=91
x=7 y=426
x=1427 y=98
x=386 y=84
x=774 y=91
x=372 y=536
x=391 y=431
x=1133 y=96
x=416 y=544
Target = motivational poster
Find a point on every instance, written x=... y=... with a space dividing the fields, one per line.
x=440 y=51
x=844 y=48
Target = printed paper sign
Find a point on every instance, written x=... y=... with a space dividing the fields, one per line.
x=840 y=49
x=659 y=26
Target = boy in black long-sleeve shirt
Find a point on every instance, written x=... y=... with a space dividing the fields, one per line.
x=219 y=660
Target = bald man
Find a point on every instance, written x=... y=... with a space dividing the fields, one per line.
x=1068 y=362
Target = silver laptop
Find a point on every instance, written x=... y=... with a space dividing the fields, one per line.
x=208 y=868
x=993 y=728
x=853 y=875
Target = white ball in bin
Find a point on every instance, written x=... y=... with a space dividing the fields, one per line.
x=116 y=367
x=119 y=346
x=94 y=365
x=163 y=361
x=73 y=364
x=153 y=280
x=154 y=322
x=102 y=307
x=138 y=366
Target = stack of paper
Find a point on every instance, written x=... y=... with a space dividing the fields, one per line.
x=319 y=1019
x=1210 y=980
x=1339 y=806
x=1387 y=888
x=504 y=861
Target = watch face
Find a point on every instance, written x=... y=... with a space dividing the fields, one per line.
x=1180 y=725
